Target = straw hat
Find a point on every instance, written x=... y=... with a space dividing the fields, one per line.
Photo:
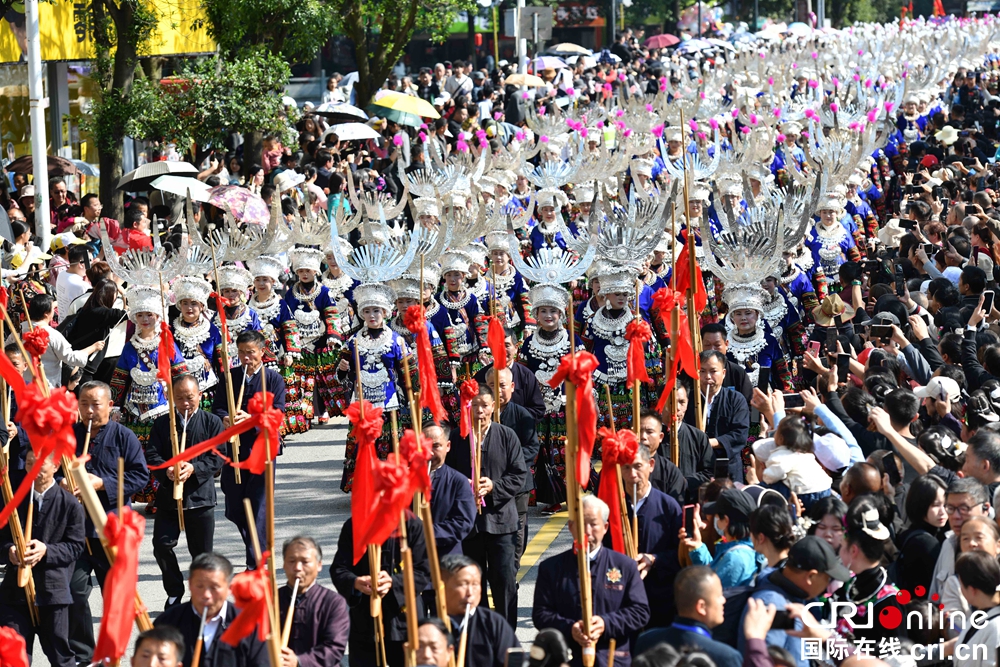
x=832 y=307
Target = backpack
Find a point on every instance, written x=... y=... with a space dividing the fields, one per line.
x=728 y=631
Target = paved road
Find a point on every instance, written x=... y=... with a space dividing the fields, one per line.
x=308 y=500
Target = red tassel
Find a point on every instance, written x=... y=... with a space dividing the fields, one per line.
x=417 y=451
x=36 y=342
x=467 y=392
x=664 y=301
x=617 y=448
x=637 y=333
x=495 y=339
x=579 y=369
x=165 y=353
x=13 y=651
x=250 y=593
x=366 y=431
x=4 y=300
x=124 y=534
x=430 y=396
x=220 y=306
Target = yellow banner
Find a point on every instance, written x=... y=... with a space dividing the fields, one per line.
x=65 y=33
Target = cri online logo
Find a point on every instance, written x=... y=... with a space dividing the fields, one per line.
x=890 y=618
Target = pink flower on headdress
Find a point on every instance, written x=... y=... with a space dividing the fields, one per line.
x=857 y=77
x=520 y=135
x=795 y=66
x=422 y=136
x=571 y=91
x=657 y=130
x=544 y=139
x=814 y=55
x=872 y=115
x=805 y=134
x=701 y=136
x=461 y=146
x=889 y=106
x=770 y=80
x=541 y=110
x=833 y=107
x=736 y=113
x=649 y=108
x=693 y=125
x=777 y=113
x=745 y=130
x=481 y=135
x=713 y=123
x=780 y=138
x=813 y=83
x=836 y=82
x=619 y=113
x=627 y=133
x=397 y=140
x=753 y=119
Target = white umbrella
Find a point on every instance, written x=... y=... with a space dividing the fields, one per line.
x=352 y=132
x=341 y=112
x=178 y=185
x=139 y=180
x=86 y=168
x=588 y=62
x=349 y=79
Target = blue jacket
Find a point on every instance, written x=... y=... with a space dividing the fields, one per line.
x=736 y=563
x=774 y=588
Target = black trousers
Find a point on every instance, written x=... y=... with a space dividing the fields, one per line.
x=52 y=631
x=199 y=528
x=495 y=556
x=252 y=487
x=81 y=619
x=521 y=543
x=363 y=653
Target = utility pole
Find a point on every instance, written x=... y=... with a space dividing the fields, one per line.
x=37 y=102
x=522 y=42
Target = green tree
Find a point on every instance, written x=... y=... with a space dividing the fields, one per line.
x=381 y=29
x=122 y=31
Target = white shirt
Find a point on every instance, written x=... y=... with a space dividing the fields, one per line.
x=38 y=498
x=59 y=352
x=639 y=503
x=69 y=286
x=212 y=625
x=593 y=554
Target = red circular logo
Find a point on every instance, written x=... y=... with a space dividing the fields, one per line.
x=903 y=597
x=890 y=618
x=920 y=591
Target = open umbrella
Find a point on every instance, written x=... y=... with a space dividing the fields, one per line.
x=243 y=204
x=661 y=41
x=5 y=231
x=398 y=117
x=799 y=29
x=519 y=79
x=568 y=49
x=139 y=180
x=694 y=45
x=180 y=186
x=547 y=62
x=58 y=166
x=353 y=132
x=721 y=43
x=86 y=168
x=341 y=112
x=390 y=99
x=587 y=62
x=349 y=79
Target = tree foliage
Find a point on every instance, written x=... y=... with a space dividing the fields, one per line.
x=381 y=29
x=291 y=29
x=213 y=98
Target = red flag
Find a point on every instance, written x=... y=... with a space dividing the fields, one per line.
x=495 y=339
x=417 y=451
x=579 y=369
x=637 y=333
x=165 y=353
x=250 y=593
x=13 y=651
x=124 y=534
x=466 y=393
x=393 y=486
x=665 y=301
x=4 y=300
x=430 y=397
x=366 y=431
x=617 y=448
x=48 y=422
x=684 y=281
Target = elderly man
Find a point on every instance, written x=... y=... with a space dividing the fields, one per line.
x=57 y=541
x=620 y=608
x=321 y=621
x=197 y=479
x=437 y=647
x=488 y=635
x=208 y=580
x=109 y=441
x=452 y=506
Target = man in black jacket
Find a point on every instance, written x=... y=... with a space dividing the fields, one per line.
x=728 y=422
x=527 y=391
x=208 y=580
x=696 y=458
x=354 y=582
x=250 y=346
x=57 y=541
x=519 y=420
x=501 y=477
x=489 y=635
x=198 y=484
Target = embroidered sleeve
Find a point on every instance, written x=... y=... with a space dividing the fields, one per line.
x=290 y=329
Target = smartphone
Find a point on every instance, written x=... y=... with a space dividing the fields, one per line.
x=936 y=191
x=722 y=468
x=967 y=197
x=929 y=249
x=891 y=469
x=689 y=517
x=516 y=657
x=793 y=400
x=831 y=341
x=814 y=347
x=988 y=301
x=782 y=621
x=895 y=207
x=843 y=366
x=880 y=331
x=900 y=282
x=907 y=224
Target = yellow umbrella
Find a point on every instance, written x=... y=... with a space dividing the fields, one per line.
x=519 y=79
x=390 y=99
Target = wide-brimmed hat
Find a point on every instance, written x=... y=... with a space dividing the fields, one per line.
x=947 y=135
x=832 y=307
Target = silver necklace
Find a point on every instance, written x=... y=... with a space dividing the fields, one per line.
x=546 y=350
x=194 y=335
x=306 y=297
x=268 y=310
x=144 y=345
x=338 y=286
x=455 y=305
x=744 y=347
x=611 y=329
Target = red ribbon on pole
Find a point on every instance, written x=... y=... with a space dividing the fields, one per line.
x=48 y=422
x=393 y=486
x=684 y=280
x=430 y=397
x=165 y=353
x=617 y=448
x=579 y=369
x=124 y=535
x=250 y=593
x=495 y=340
x=664 y=301
x=262 y=416
x=417 y=450
x=466 y=393
x=366 y=431
x=36 y=342
x=13 y=651
x=637 y=333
